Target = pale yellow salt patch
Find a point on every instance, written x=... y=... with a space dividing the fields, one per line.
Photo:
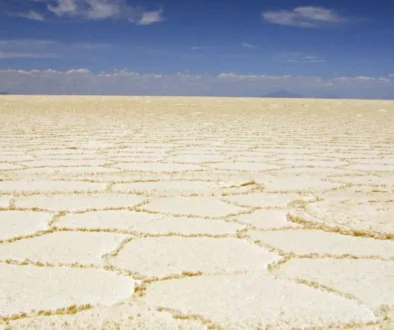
x=20 y=223
x=146 y=223
x=46 y=186
x=66 y=170
x=297 y=184
x=255 y=301
x=64 y=162
x=9 y=166
x=213 y=175
x=267 y=219
x=83 y=157
x=136 y=158
x=369 y=217
x=5 y=201
x=371 y=281
x=365 y=180
x=196 y=158
x=313 y=163
x=267 y=199
x=28 y=288
x=75 y=203
x=15 y=158
x=157 y=167
x=307 y=242
x=63 y=247
x=63 y=151
x=188 y=226
x=319 y=172
x=375 y=161
x=195 y=206
x=371 y=168
x=120 y=316
x=243 y=166
x=164 y=256
x=168 y=188
x=359 y=194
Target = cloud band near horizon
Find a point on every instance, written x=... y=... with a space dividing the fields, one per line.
x=123 y=82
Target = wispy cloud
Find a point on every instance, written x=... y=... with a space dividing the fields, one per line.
x=298 y=57
x=15 y=55
x=31 y=15
x=91 y=46
x=248 y=45
x=306 y=17
x=104 y=10
x=31 y=48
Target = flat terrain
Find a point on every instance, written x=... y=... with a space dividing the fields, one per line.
x=196 y=213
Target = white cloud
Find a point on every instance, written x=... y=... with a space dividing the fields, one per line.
x=306 y=17
x=103 y=10
x=83 y=81
x=31 y=15
x=151 y=17
x=248 y=45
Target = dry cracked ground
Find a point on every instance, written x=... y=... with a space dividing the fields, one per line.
x=192 y=213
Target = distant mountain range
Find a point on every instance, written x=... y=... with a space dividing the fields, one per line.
x=3 y=93
x=388 y=97
x=288 y=95
x=283 y=94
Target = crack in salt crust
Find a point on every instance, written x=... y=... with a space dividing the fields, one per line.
x=183 y=213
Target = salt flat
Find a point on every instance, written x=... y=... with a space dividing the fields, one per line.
x=196 y=213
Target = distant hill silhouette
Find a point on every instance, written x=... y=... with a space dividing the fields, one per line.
x=4 y=93
x=282 y=94
x=388 y=97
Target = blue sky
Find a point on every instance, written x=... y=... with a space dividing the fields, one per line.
x=205 y=47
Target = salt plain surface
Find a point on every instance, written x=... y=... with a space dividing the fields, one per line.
x=193 y=213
